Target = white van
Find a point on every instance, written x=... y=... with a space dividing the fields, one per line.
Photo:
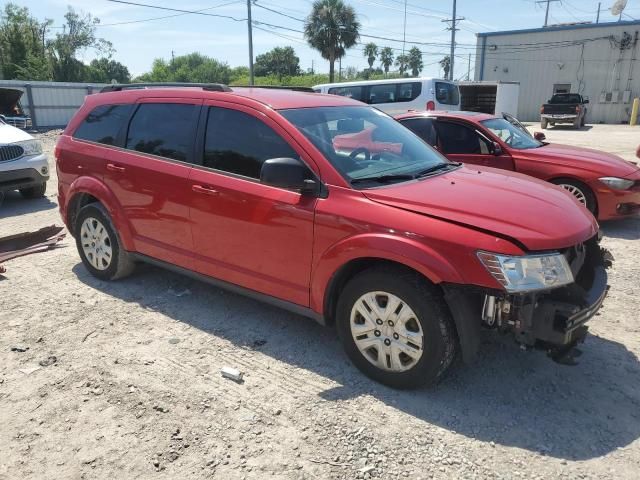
x=399 y=95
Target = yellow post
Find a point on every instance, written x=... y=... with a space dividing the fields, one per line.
x=634 y=112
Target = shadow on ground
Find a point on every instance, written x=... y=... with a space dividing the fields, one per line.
x=568 y=126
x=508 y=396
x=13 y=204
x=626 y=229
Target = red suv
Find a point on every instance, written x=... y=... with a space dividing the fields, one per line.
x=408 y=254
x=606 y=184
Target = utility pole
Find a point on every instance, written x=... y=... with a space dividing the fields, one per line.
x=250 y=42
x=454 y=19
x=404 y=30
x=598 y=17
x=546 y=15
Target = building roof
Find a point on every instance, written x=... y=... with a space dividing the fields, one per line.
x=557 y=28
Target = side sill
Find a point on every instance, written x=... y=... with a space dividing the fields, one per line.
x=276 y=302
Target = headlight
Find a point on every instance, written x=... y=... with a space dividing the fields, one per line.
x=30 y=147
x=529 y=272
x=617 y=183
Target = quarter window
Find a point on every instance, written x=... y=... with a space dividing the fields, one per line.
x=447 y=93
x=163 y=129
x=239 y=143
x=103 y=124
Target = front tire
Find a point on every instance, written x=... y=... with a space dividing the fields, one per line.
x=34 y=192
x=396 y=328
x=99 y=245
x=579 y=190
x=544 y=123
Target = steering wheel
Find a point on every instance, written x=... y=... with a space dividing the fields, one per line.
x=358 y=151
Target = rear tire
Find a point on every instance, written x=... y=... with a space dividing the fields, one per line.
x=99 y=245
x=544 y=123
x=579 y=190
x=34 y=192
x=396 y=328
x=577 y=123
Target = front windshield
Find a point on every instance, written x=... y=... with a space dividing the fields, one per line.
x=511 y=135
x=365 y=145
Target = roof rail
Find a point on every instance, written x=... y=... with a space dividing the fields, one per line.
x=277 y=87
x=212 y=87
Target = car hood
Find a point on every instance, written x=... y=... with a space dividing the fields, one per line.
x=9 y=134
x=9 y=98
x=532 y=213
x=600 y=163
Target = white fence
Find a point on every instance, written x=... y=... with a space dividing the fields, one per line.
x=51 y=104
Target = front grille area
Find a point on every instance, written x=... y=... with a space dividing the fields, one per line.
x=10 y=152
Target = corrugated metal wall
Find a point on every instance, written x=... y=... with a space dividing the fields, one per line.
x=594 y=66
x=51 y=104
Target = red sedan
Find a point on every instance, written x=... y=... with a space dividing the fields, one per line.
x=608 y=185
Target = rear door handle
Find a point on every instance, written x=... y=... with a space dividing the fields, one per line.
x=115 y=168
x=204 y=190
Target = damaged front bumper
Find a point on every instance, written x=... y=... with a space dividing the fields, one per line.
x=553 y=320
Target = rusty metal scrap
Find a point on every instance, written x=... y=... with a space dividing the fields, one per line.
x=26 y=243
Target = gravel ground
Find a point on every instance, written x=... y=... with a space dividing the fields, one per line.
x=135 y=391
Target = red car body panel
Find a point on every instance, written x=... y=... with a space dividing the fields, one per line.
x=554 y=161
x=290 y=246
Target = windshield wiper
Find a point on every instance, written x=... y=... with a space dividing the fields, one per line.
x=435 y=168
x=383 y=178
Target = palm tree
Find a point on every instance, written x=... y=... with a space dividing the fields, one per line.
x=445 y=63
x=415 y=61
x=402 y=62
x=386 y=58
x=371 y=52
x=331 y=28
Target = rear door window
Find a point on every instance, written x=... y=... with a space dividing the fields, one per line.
x=383 y=93
x=239 y=143
x=103 y=124
x=447 y=93
x=164 y=129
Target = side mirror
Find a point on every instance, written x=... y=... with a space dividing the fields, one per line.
x=586 y=100
x=541 y=137
x=288 y=173
x=497 y=149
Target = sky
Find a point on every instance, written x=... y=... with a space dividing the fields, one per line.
x=139 y=36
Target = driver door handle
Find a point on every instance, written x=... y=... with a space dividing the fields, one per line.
x=205 y=190
x=115 y=168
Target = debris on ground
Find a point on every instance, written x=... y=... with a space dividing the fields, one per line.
x=19 y=348
x=232 y=374
x=26 y=243
x=179 y=294
x=48 y=361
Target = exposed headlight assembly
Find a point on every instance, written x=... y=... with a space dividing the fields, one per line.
x=30 y=147
x=529 y=272
x=617 y=183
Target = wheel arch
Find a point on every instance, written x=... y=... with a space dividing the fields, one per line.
x=558 y=179
x=86 y=190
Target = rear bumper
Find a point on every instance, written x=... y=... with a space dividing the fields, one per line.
x=559 y=118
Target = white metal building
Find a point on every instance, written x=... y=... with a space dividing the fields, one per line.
x=599 y=61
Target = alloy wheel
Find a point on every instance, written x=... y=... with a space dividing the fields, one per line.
x=576 y=192
x=386 y=331
x=96 y=243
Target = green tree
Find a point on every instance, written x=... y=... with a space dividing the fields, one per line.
x=414 y=59
x=331 y=28
x=279 y=61
x=78 y=34
x=371 y=52
x=445 y=63
x=105 y=70
x=22 y=44
x=402 y=62
x=193 y=67
x=386 y=58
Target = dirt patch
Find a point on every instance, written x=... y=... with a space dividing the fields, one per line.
x=122 y=380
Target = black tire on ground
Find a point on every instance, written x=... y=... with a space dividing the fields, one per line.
x=439 y=339
x=121 y=263
x=34 y=192
x=577 y=122
x=584 y=121
x=544 y=123
x=590 y=198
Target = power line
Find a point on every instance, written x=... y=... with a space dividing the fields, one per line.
x=194 y=12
